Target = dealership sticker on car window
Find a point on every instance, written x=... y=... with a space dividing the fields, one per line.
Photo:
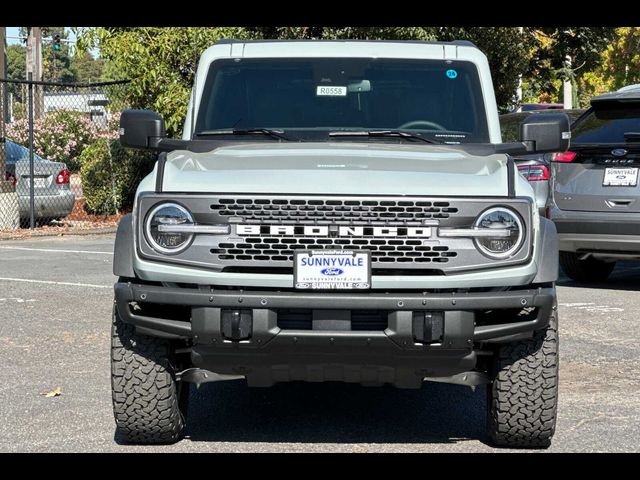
x=620 y=177
x=331 y=91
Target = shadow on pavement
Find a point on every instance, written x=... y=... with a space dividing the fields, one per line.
x=335 y=413
x=625 y=277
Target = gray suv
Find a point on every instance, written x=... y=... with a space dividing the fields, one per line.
x=595 y=200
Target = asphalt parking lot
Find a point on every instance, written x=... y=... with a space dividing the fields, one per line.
x=55 y=306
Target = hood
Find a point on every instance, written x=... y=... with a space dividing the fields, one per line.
x=337 y=168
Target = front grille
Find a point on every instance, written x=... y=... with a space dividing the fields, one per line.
x=385 y=251
x=340 y=212
x=361 y=320
x=268 y=250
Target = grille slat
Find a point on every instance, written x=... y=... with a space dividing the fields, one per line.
x=393 y=213
x=400 y=250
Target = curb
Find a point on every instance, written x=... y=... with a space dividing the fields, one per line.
x=25 y=234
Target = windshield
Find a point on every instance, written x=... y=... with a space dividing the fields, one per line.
x=607 y=125
x=441 y=100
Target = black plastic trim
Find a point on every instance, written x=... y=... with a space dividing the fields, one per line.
x=123 y=248
x=162 y=160
x=541 y=298
x=549 y=257
x=612 y=227
x=511 y=176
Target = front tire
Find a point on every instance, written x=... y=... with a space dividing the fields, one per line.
x=588 y=270
x=522 y=400
x=149 y=405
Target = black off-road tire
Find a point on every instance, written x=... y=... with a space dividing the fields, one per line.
x=588 y=270
x=149 y=405
x=522 y=400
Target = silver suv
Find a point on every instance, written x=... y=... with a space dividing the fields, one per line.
x=337 y=211
x=595 y=200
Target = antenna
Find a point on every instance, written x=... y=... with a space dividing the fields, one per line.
x=195 y=82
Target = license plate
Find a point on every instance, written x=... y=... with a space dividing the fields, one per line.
x=332 y=269
x=620 y=177
x=37 y=182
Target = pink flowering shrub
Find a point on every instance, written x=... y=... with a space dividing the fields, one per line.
x=59 y=135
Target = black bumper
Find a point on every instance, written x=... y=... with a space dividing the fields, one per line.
x=272 y=354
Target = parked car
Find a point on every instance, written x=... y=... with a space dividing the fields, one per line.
x=53 y=198
x=595 y=197
x=529 y=107
x=534 y=167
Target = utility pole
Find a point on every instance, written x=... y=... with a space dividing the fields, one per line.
x=519 y=90
x=9 y=213
x=567 y=90
x=34 y=66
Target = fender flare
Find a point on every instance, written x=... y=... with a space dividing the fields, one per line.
x=123 y=249
x=549 y=255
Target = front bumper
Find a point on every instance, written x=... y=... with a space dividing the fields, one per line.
x=273 y=354
x=597 y=231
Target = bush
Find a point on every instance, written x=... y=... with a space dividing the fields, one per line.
x=110 y=175
x=59 y=135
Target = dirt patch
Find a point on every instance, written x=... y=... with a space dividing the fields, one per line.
x=78 y=222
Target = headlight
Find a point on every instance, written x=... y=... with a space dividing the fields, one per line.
x=509 y=232
x=167 y=215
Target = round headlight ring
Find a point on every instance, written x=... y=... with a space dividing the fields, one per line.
x=512 y=250
x=149 y=234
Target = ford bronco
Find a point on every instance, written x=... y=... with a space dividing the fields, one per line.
x=337 y=211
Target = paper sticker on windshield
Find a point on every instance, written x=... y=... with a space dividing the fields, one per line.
x=331 y=91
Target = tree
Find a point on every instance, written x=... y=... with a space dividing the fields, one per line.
x=55 y=63
x=16 y=70
x=85 y=68
x=621 y=59
x=554 y=46
x=160 y=62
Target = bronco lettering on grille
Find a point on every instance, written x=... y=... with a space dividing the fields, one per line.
x=326 y=231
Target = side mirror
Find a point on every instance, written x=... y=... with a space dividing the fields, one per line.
x=546 y=132
x=141 y=129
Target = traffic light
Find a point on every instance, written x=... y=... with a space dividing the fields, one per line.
x=56 y=42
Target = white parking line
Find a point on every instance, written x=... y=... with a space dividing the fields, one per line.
x=55 y=250
x=51 y=282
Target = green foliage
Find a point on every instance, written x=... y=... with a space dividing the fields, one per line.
x=621 y=59
x=59 y=135
x=85 y=68
x=110 y=175
x=16 y=70
x=552 y=47
x=159 y=61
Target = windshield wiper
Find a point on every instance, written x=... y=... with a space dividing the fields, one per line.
x=632 y=136
x=381 y=133
x=245 y=131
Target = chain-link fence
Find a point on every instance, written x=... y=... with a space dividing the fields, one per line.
x=61 y=166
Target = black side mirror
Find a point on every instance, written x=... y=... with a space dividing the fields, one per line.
x=546 y=132
x=141 y=129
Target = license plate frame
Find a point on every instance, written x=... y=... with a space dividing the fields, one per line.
x=611 y=177
x=351 y=270
x=38 y=182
